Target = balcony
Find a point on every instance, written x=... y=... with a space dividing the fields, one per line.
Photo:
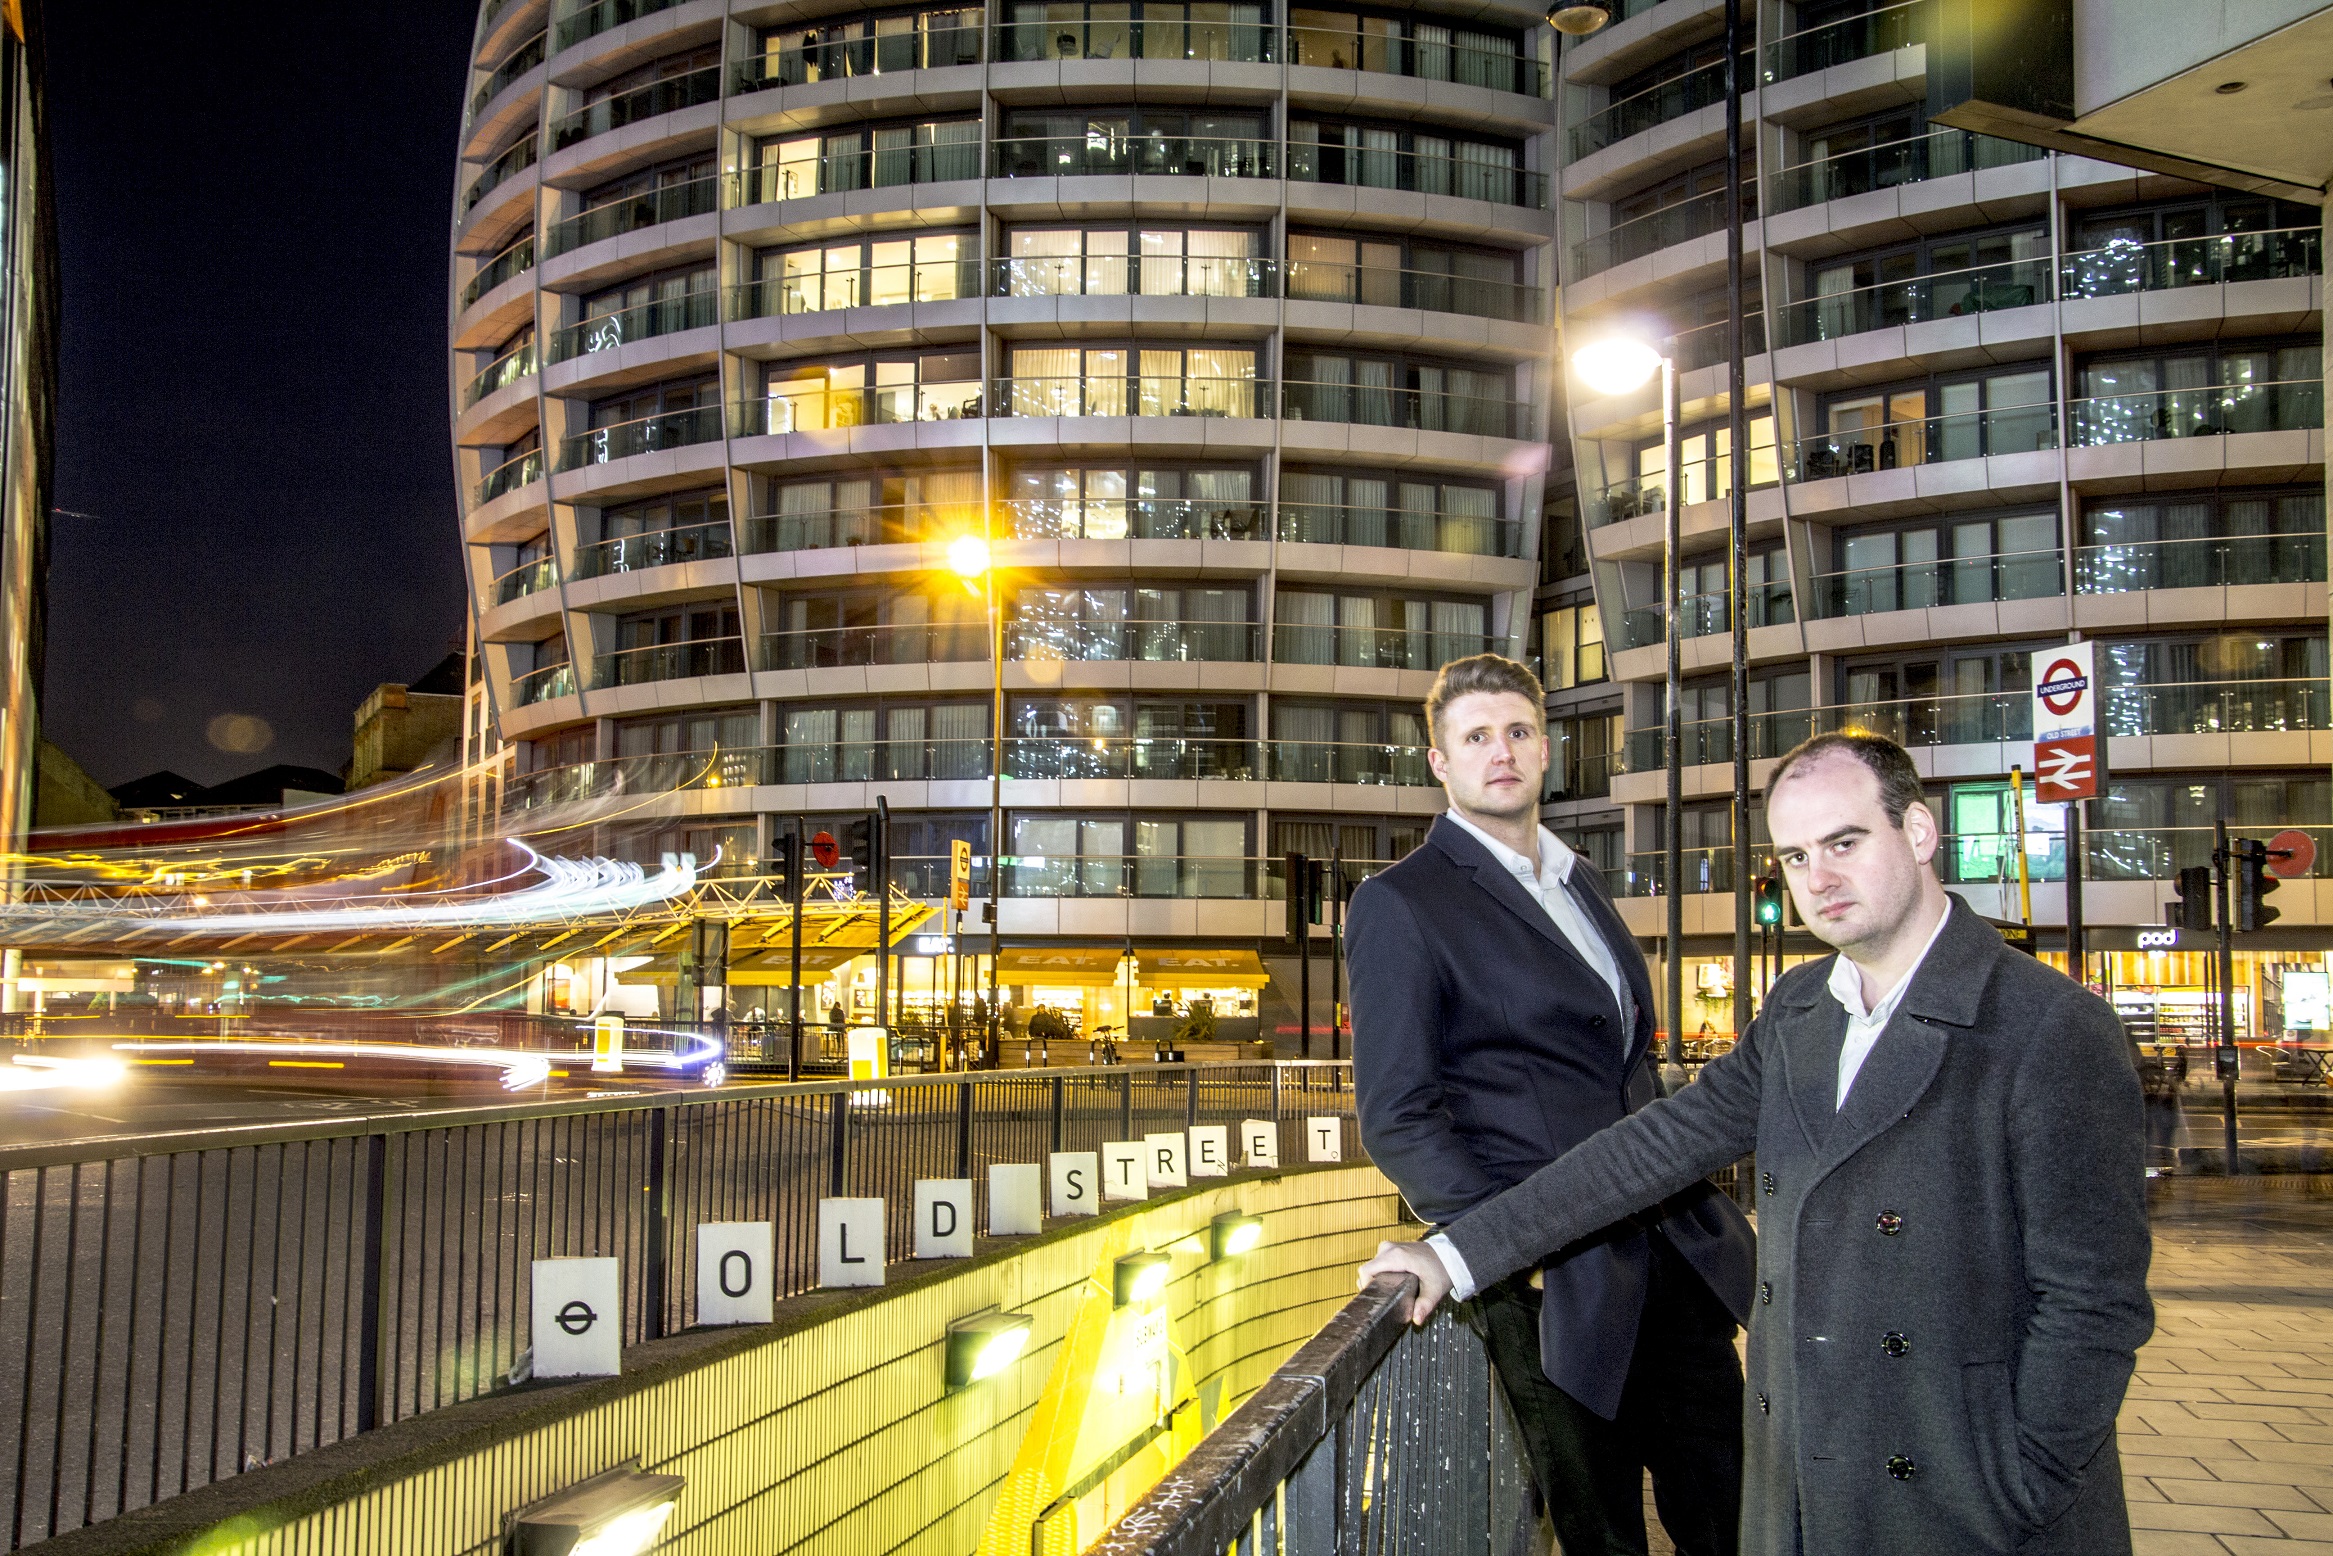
x=645 y=102
x=1323 y=761
x=1879 y=31
x=1939 y=154
x=1132 y=875
x=544 y=684
x=1707 y=742
x=1424 y=410
x=1696 y=216
x=885 y=167
x=820 y=409
x=1638 y=496
x=671 y=662
x=1380 y=648
x=514 y=65
x=2017 y=283
x=2120 y=268
x=660 y=548
x=1311 y=162
x=1171 y=757
x=1176 y=156
x=1139 y=396
x=500 y=373
x=646 y=434
x=877 y=525
x=2203 y=562
x=1687 y=92
x=2218 y=708
x=1422 y=59
x=880 y=761
x=1704 y=345
x=525 y=579
x=2208 y=412
x=664 y=316
x=1432 y=291
x=1132 y=518
x=1146 y=275
x=593 y=20
x=633 y=213
x=2108 y=854
x=1703 y=615
x=1209 y=34
x=664 y=773
x=886 y=54
x=1153 y=642
x=514 y=260
x=513 y=161
x=829 y=648
x=1911 y=586
x=878 y=286
x=2013 y=429
x=1403 y=529
x=510 y=475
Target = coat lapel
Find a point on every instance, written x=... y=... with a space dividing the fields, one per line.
x=1810 y=1058
x=1492 y=877
x=1587 y=889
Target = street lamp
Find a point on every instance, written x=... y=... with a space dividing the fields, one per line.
x=969 y=555
x=1621 y=364
x=1578 y=18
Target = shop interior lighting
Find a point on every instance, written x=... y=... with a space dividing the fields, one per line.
x=1137 y=1277
x=619 y=1513
x=984 y=1344
x=1232 y=1234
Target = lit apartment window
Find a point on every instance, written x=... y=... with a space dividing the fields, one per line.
x=2202 y=540
x=1389 y=631
x=1960 y=561
x=873 y=272
x=866 y=46
x=794 y=167
x=1146 y=502
x=1140 y=380
x=885 y=387
x=1380 y=508
x=1572 y=643
x=1117 y=261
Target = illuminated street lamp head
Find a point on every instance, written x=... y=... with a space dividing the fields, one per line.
x=1578 y=18
x=1616 y=365
x=968 y=555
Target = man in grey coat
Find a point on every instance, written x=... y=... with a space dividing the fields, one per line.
x=1952 y=1235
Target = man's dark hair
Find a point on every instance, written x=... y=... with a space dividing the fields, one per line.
x=1899 y=780
x=1482 y=673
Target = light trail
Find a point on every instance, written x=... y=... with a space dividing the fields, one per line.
x=521 y=1069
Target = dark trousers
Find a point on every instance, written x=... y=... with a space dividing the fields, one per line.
x=1680 y=1417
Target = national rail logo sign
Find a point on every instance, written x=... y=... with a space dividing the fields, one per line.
x=2069 y=762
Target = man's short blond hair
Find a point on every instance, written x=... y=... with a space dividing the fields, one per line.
x=1483 y=673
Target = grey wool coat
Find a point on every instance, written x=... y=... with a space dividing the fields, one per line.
x=1952 y=1268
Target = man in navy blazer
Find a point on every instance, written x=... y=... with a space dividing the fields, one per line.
x=1502 y=1015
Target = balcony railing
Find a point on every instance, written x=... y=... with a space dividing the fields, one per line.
x=1424 y=173
x=1322 y=761
x=1911 y=586
x=884 y=167
x=659 y=548
x=1425 y=59
x=1142 y=641
x=2208 y=412
x=644 y=321
x=643 y=435
x=510 y=475
x=500 y=373
x=1383 y=648
x=1121 y=275
x=514 y=260
x=1180 y=156
x=1704 y=345
x=1133 y=875
x=1702 y=615
x=2108 y=853
x=1132 y=518
x=788 y=409
x=2016 y=283
x=669 y=95
x=2217 y=707
x=1696 y=216
x=880 y=524
x=2122 y=266
x=1878 y=31
x=663 y=773
x=1177 y=757
x=920 y=49
x=1433 y=291
x=2012 y=429
x=879 y=286
x=2203 y=562
x=517 y=159
x=1404 y=529
x=1198 y=37
x=514 y=65
x=1938 y=154
x=527 y=578
x=632 y=213
x=544 y=684
x=671 y=662
x=1687 y=92
x=828 y=648
x=1094 y=395
x=1427 y=410
x=593 y=20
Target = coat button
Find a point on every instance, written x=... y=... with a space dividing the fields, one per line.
x=1766 y=1181
x=1902 y=1468
x=1889 y=1223
x=1764 y=1408
x=1596 y=1022
x=1895 y=1344
x=1765 y=1291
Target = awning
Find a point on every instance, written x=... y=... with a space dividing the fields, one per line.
x=1201 y=969
x=815 y=958
x=1058 y=964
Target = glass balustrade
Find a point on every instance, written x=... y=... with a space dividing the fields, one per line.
x=1095 y=395
x=2123 y=266
x=1686 y=92
x=1696 y=216
x=1182 y=156
x=1172 y=757
x=2216 y=707
x=1700 y=615
x=644 y=321
x=592 y=20
x=1147 y=275
x=544 y=684
x=512 y=261
x=1433 y=291
x=1500 y=182
x=1437 y=57
x=669 y=95
x=1404 y=529
x=1880 y=30
x=1321 y=761
x=819 y=408
x=643 y=435
x=1427 y=410
x=514 y=161
x=802 y=63
x=1705 y=344
x=883 y=167
x=1204 y=33
x=1911 y=586
x=880 y=524
x=877 y=761
x=511 y=474
x=514 y=65
x=501 y=373
x=877 y=286
x=662 y=773
x=635 y=212
x=2018 y=283
x=2207 y=412
x=2015 y=429
x=1939 y=154
x=1704 y=742
x=2203 y=562
x=658 y=548
x=1132 y=875
x=1132 y=518
x=1382 y=648
x=1148 y=641
x=671 y=662
x=527 y=578
x=827 y=648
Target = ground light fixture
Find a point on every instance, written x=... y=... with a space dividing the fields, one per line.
x=1616 y=364
x=984 y=1344
x=1137 y=1277
x=619 y=1513
x=1233 y=1233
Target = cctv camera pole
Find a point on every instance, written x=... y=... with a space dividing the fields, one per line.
x=1737 y=586
x=1673 y=860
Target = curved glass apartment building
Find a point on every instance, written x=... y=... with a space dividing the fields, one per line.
x=1996 y=396
x=1227 y=326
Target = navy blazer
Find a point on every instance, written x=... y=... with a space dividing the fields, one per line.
x=1485 y=1046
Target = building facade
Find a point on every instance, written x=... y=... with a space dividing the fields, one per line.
x=1226 y=329
x=1999 y=398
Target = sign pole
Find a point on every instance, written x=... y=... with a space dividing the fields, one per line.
x=798 y=888
x=2024 y=881
x=2075 y=932
x=2225 y=1059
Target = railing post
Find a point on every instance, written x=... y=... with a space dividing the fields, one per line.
x=369 y=1333
x=1190 y=1096
x=964 y=1127
x=1275 y=1093
x=659 y=1214
x=1060 y=1090
x=838 y=1148
x=1126 y=1106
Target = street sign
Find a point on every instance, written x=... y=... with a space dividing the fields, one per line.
x=959 y=875
x=2069 y=760
x=2299 y=851
x=824 y=850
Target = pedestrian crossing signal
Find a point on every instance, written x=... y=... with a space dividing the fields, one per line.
x=1766 y=900
x=2254 y=883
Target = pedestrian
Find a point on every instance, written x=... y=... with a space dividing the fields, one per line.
x=1501 y=1015
x=1952 y=1226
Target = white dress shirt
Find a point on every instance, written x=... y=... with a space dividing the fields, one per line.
x=1864 y=1026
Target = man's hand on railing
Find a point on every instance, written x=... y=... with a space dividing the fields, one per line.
x=1413 y=1259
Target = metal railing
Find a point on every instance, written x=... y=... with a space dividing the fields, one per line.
x=514 y=65
x=2202 y=562
x=2123 y=266
x=1700 y=615
x=669 y=95
x=1877 y=31
x=923 y=48
x=1390 y=405
x=500 y=373
x=873 y=167
x=1192 y=156
x=518 y=258
x=2007 y=429
x=1912 y=160
x=1500 y=69
x=1146 y=641
x=876 y=286
x=660 y=773
x=826 y=648
x=527 y=578
x=873 y=525
x=641 y=435
x=516 y=159
x=671 y=662
x=1404 y=529
x=592 y=20
x=1198 y=38
x=1367 y=167
x=633 y=212
x=1686 y=92
x=643 y=321
x=2016 y=283
x=1117 y=394
x=513 y=473
x=1706 y=741
x=1911 y=586
x=543 y=684
x=1704 y=345
x=1123 y=275
x=190 y=1306
x=2207 y=412
x=1696 y=216
x=814 y=407
x=1132 y=518
x=1431 y=290
x=656 y=548
x=1385 y=648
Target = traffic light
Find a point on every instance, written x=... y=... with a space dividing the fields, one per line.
x=1766 y=900
x=1304 y=895
x=2193 y=909
x=2253 y=884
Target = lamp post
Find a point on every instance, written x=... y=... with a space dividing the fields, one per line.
x=970 y=556
x=1619 y=366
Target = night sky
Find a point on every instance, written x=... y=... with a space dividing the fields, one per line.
x=253 y=201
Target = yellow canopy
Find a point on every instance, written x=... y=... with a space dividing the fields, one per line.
x=1201 y=969
x=1058 y=964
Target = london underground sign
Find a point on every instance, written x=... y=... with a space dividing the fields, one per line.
x=2069 y=759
